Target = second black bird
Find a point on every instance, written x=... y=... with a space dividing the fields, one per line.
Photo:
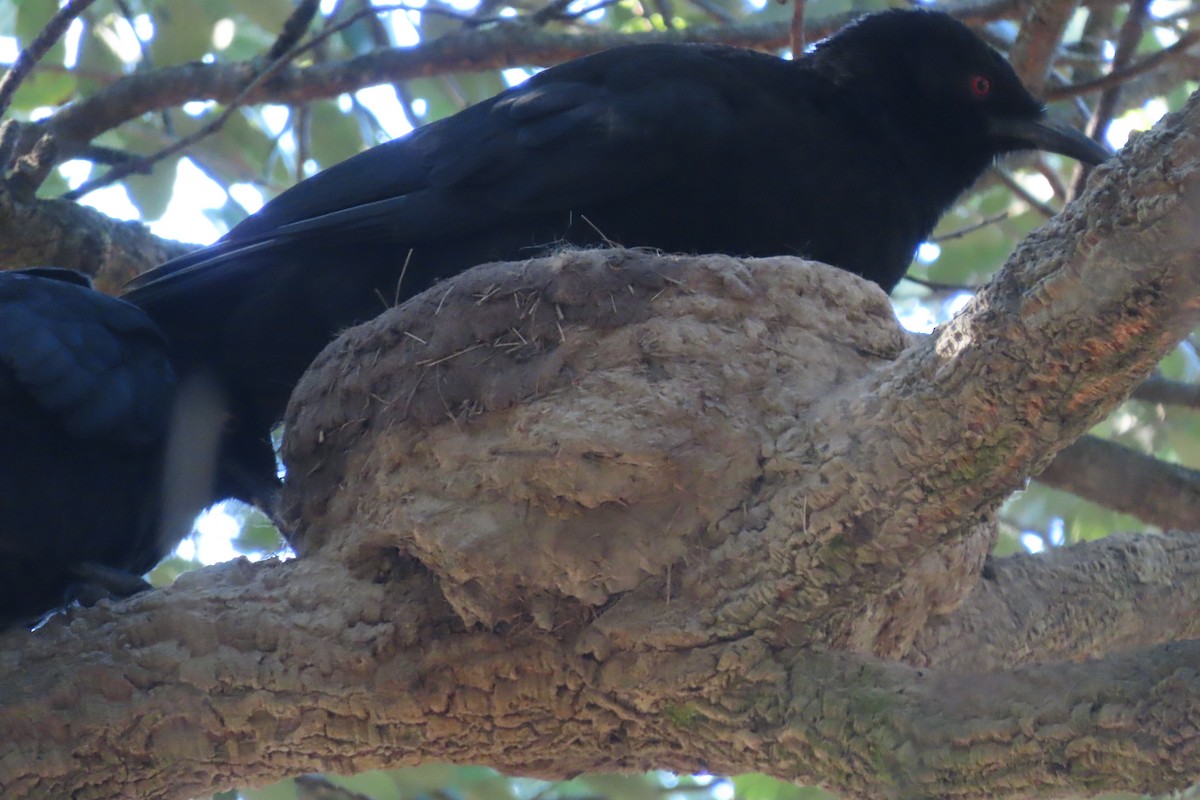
x=102 y=473
x=848 y=155
x=85 y=396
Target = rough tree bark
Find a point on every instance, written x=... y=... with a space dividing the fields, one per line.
x=615 y=511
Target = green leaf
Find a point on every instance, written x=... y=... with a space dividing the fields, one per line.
x=257 y=534
x=431 y=778
x=268 y=15
x=54 y=185
x=763 y=787
x=96 y=58
x=8 y=18
x=625 y=787
x=249 y=41
x=42 y=87
x=151 y=193
x=333 y=135
x=171 y=568
x=377 y=785
x=32 y=16
x=284 y=790
x=182 y=32
x=239 y=151
x=357 y=38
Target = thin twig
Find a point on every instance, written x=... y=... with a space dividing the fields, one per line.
x=1118 y=77
x=120 y=171
x=1127 y=42
x=38 y=48
x=939 y=286
x=1045 y=209
x=714 y=11
x=552 y=10
x=1052 y=178
x=583 y=12
x=302 y=133
x=963 y=231
x=145 y=59
x=104 y=155
x=796 y=32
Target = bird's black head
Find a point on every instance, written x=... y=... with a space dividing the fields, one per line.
x=944 y=89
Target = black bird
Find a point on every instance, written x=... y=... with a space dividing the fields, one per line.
x=848 y=155
x=85 y=394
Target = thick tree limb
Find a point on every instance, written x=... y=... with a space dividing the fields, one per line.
x=1118 y=593
x=210 y=687
x=66 y=234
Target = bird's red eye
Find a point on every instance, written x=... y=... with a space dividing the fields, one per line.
x=980 y=86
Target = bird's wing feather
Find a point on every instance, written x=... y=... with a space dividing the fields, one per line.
x=96 y=362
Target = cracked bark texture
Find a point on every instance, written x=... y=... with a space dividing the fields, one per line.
x=39 y=232
x=615 y=511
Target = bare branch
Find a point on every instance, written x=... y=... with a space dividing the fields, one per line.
x=1014 y=186
x=1157 y=389
x=505 y=44
x=38 y=48
x=958 y=233
x=797 y=36
x=1116 y=477
x=1117 y=77
x=263 y=76
x=1102 y=116
x=1038 y=41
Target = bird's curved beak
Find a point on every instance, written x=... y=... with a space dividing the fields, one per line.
x=1043 y=133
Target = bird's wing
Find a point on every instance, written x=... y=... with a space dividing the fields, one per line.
x=97 y=363
x=586 y=132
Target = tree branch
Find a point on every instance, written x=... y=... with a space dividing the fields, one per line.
x=278 y=669
x=1157 y=389
x=1121 y=479
x=1071 y=603
x=31 y=55
x=65 y=234
x=510 y=44
x=1119 y=77
x=1038 y=40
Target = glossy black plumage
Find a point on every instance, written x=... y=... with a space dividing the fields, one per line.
x=85 y=397
x=848 y=155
